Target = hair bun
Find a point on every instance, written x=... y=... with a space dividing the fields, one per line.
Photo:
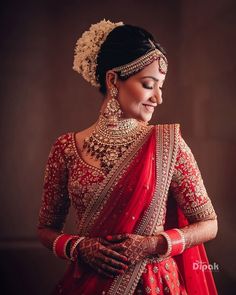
x=87 y=49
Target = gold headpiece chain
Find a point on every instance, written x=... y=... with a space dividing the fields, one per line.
x=143 y=61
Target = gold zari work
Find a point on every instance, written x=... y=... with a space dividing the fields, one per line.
x=108 y=142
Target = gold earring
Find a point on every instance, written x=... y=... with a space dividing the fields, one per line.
x=112 y=110
x=114 y=92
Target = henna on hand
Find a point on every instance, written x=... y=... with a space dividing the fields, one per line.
x=137 y=247
x=104 y=260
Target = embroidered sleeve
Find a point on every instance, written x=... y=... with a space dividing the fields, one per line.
x=55 y=200
x=188 y=187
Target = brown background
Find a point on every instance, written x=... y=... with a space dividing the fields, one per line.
x=42 y=98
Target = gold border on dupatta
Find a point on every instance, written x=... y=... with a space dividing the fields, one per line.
x=167 y=137
x=102 y=194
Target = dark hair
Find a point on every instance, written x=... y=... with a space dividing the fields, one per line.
x=123 y=45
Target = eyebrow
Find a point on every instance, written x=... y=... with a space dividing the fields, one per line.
x=155 y=79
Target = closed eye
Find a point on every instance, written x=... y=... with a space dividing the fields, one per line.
x=147 y=86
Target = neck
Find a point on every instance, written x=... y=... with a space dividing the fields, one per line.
x=120 y=120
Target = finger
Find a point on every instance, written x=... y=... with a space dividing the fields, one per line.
x=122 y=251
x=117 y=238
x=118 y=248
x=105 y=242
x=99 y=263
x=113 y=254
x=114 y=263
x=102 y=258
x=109 y=269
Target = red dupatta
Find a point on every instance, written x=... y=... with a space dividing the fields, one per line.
x=131 y=199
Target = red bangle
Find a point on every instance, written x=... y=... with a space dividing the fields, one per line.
x=60 y=244
x=175 y=241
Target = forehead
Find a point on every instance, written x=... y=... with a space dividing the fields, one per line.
x=152 y=70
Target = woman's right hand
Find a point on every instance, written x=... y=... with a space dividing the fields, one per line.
x=95 y=252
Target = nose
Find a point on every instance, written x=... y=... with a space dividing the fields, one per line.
x=157 y=97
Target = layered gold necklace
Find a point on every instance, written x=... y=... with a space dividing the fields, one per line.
x=110 y=140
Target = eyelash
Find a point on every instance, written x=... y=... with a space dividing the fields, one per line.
x=147 y=87
x=150 y=87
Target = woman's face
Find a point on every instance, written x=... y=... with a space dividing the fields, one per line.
x=141 y=93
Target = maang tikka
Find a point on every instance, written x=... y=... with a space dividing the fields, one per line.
x=112 y=110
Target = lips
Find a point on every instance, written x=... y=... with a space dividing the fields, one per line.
x=149 y=108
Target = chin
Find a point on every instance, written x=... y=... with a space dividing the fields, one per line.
x=146 y=118
x=140 y=117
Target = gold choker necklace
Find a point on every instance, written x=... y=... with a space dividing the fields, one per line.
x=110 y=140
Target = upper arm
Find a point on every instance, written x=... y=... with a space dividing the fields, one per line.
x=55 y=199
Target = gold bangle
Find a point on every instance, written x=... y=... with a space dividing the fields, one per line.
x=72 y=250
x=183 y=239
x=60 y=245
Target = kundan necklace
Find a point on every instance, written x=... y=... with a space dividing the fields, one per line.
x=110 y=140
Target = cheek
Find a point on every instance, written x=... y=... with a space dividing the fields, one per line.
x=137 y=93
x=132 y=95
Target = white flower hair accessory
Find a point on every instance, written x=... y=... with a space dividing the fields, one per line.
x=87 y=49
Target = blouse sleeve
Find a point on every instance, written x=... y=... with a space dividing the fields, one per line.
x=188 y=188
x=55 y=199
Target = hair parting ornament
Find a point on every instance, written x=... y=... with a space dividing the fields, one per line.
x=143 y=61
x=88 y=47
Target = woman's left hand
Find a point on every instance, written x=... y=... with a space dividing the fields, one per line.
x=134 y=247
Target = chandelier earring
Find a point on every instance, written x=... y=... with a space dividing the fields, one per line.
x=112 y=110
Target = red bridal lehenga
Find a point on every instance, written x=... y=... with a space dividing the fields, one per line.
x=155 y=184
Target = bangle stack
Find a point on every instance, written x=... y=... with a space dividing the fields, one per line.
x=175 y=242
x=74 y=248
x=60 y=246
